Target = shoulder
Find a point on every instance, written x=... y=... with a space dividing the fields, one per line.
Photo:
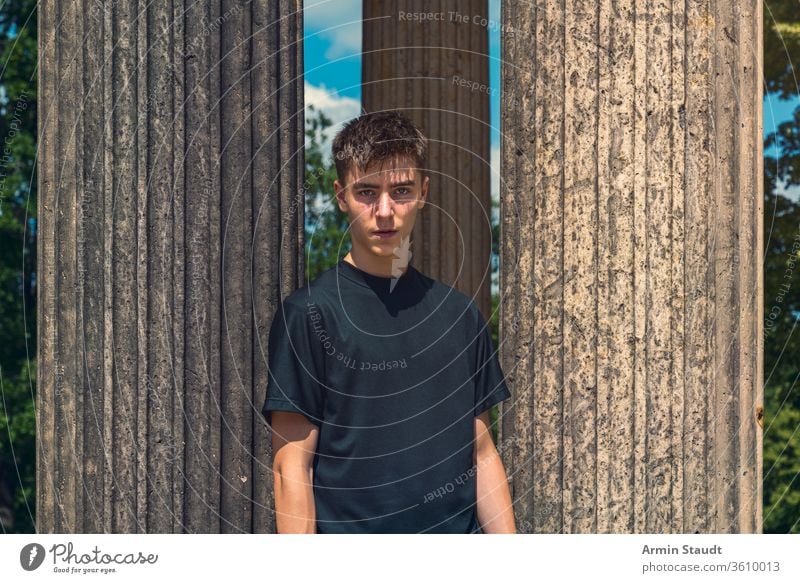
x=298 y=313
x=453 y=299
x=316 y=293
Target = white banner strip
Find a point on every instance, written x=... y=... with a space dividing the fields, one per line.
x=380 y=558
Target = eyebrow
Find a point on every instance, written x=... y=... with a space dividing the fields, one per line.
x=359 y=185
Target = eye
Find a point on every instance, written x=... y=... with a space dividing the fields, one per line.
x=402 y=191
x=367 y=193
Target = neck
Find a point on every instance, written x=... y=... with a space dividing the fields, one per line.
x=375 y=265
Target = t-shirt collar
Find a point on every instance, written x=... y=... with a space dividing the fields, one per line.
x=378 y=282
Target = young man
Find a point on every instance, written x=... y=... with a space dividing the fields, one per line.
x=381 y=378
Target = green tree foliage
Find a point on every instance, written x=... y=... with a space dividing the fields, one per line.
x=781 y=280
x=781 y=47
x=18 y=449
x=17 y=264
x=326 y=226
x=781 y=455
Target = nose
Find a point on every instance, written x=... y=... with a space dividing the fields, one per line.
x=384 y=205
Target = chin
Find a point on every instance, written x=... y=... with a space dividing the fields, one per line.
x=382 y=251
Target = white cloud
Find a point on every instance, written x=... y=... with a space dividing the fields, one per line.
x=792 y=192
x=339 y=109
x=495 y=11
x=339 y=22
x=335 y=106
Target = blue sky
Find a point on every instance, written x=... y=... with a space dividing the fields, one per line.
x=333 y=68
x=333 y=64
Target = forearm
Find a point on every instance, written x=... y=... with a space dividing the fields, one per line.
x=495 y=511
x=294 y=500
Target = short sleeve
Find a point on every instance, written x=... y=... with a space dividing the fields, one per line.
x=295 y=363
x=490 y=383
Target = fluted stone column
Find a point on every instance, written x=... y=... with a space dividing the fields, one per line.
x=430 y=60
x=631 y=262
x=170 y=223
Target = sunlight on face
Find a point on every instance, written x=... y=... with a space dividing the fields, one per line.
x=381 y=203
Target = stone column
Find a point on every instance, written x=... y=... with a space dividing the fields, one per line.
x=430 y=60
x=632 y=265
x=170 y=223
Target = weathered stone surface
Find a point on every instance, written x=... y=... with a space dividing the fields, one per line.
x=631 y=310
x=170 y=223
x=430 y=59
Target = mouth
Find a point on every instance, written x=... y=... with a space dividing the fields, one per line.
x=385 y=233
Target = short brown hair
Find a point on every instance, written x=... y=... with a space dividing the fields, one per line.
x=377 y=137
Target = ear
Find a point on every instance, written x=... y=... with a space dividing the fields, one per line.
x=424 y=196
x=340 y=195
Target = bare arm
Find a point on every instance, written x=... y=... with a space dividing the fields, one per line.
x=495 y=511
x=294 y=442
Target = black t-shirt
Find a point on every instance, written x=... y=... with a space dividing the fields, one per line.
x=393 y=372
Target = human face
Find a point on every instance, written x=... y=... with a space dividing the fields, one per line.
x=381 y=203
